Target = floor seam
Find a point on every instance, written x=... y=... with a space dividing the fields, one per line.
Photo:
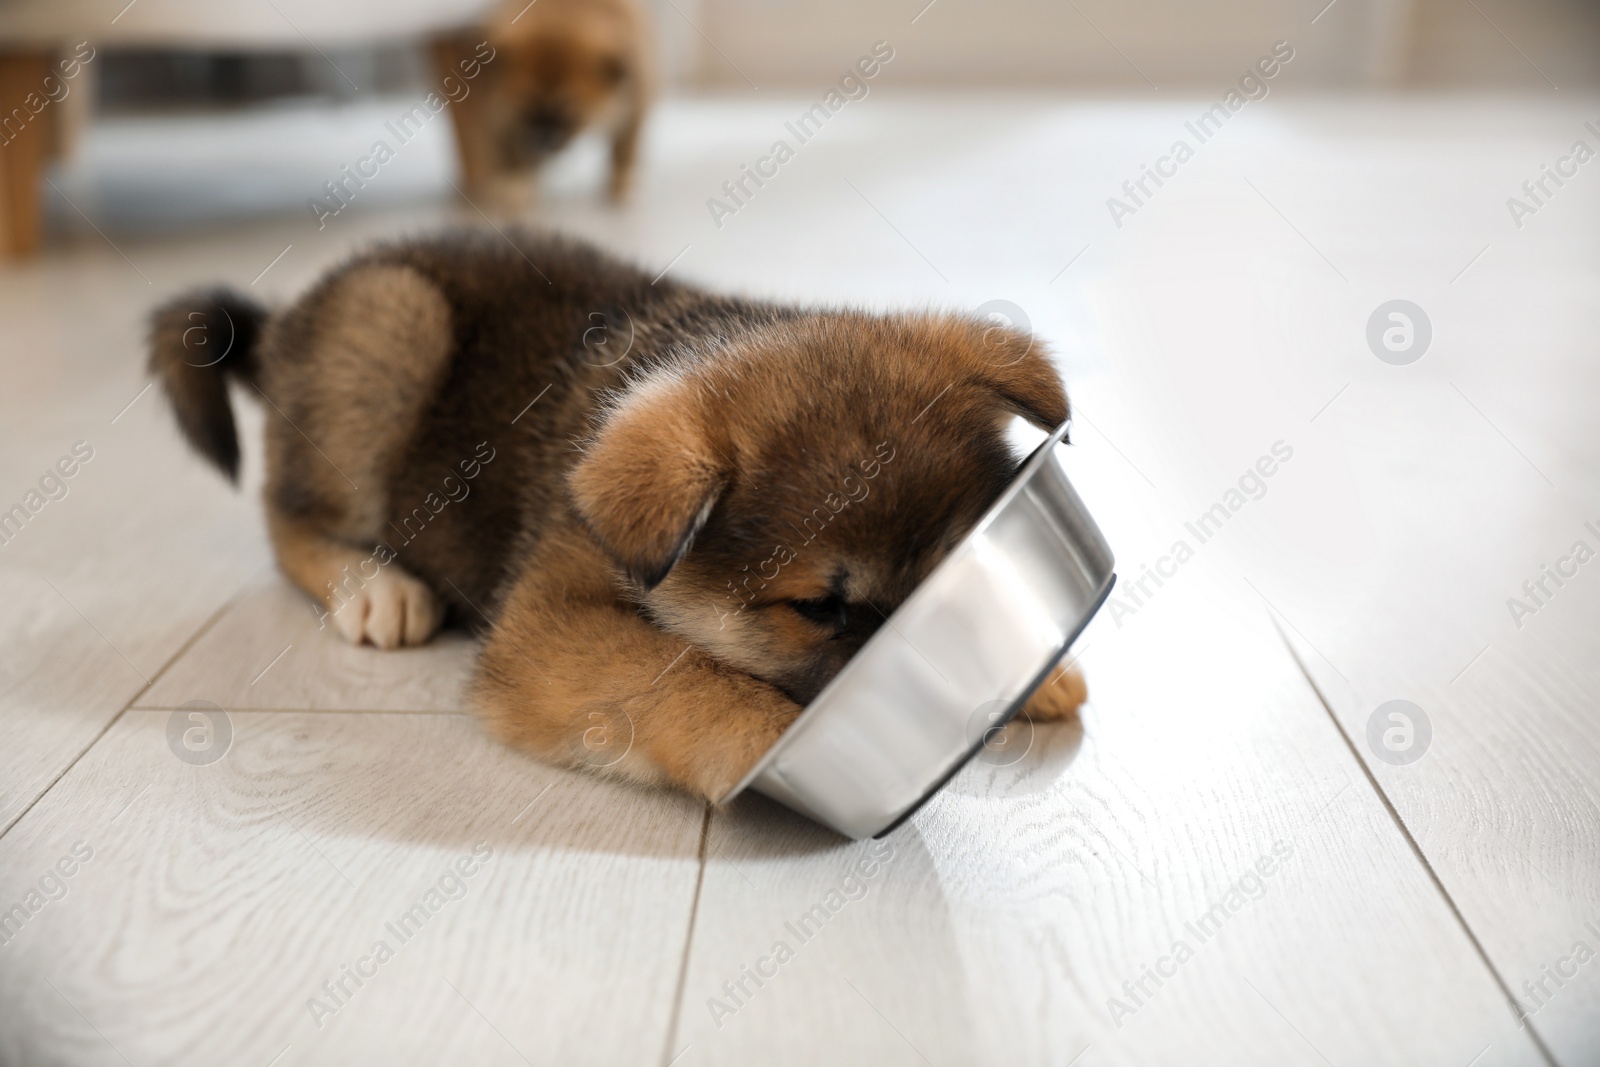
x=182 y=650
x=1523 y=1020
x=667 y=1055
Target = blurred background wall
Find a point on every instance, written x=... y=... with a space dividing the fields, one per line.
x=1106 y=44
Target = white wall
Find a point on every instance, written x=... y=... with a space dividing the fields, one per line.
x=1126 y=45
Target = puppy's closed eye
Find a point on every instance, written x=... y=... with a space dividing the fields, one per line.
x=831 y=611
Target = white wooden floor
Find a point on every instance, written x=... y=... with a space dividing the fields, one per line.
x=1217 y=868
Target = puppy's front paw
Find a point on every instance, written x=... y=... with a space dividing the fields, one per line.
x=391 y=610
x=1059 y=697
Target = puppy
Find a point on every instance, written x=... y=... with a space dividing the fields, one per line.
x=558 y=67
x=754 y=487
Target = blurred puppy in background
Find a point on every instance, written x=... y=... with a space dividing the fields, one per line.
x=560 y=67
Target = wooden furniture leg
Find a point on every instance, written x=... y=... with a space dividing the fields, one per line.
x=27 y=138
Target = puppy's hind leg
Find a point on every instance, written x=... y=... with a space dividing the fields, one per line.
x=365 y=597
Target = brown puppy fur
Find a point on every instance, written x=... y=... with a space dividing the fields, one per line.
x=558 y=67
x=754 y=487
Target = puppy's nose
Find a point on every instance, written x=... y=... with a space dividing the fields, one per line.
x=863 y=624
x=546 y=129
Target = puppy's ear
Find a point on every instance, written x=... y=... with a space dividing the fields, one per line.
x=647 y=483
x=1016 y=366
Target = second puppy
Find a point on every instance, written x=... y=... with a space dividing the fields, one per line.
x=560 y=67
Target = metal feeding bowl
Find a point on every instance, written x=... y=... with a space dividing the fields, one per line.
x=956 y=660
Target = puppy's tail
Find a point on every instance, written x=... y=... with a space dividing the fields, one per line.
x=197 y=342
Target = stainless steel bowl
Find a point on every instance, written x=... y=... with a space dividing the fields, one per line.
x=957 y=660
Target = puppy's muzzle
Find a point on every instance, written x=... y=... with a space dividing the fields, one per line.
x=803 y=683
x=546 y=130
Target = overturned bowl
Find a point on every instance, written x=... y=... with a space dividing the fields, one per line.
x=956 y=661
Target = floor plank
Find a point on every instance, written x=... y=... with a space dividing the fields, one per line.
x=268 y=651
x=103 y=588
x=1503 y=793
x=1422 y=496
x=216 y=899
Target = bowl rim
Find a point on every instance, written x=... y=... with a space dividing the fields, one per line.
x=1026 y=472
x=1100 y=598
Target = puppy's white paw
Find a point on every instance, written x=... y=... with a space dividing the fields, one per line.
x=391 y=610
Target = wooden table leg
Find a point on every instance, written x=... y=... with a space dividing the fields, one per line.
x=27 y=119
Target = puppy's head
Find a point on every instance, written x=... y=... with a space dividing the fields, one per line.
x=773 y=502
x=559 y=68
